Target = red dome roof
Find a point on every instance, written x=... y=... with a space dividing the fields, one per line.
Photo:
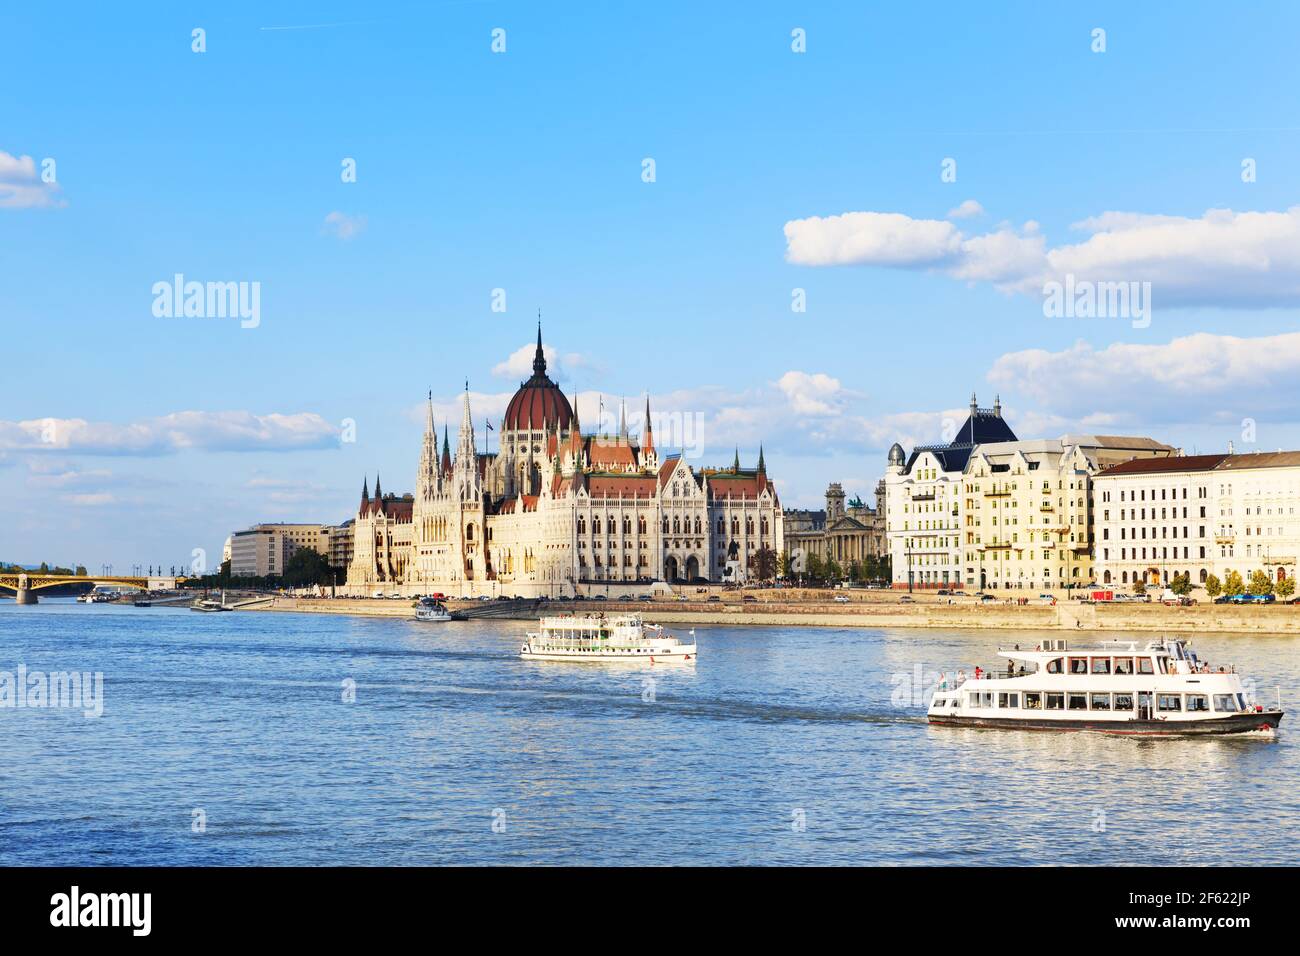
x=539 y=403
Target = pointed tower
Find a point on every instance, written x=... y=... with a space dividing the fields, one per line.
x=735 y=464
x=446 y=453
x=622 y=420
x=762 y=466
x=379 y=494
x=426 y=479
x=365 y=494
x=465 y=466
x=649 y=457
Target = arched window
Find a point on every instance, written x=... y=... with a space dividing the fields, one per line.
x=722 y=528
x=640 y=524
x=697 y=525
x=582 y=524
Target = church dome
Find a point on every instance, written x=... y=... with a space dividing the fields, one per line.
x=896 y=455
x=539 y=403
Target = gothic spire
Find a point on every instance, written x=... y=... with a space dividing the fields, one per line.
x=648 y=436
x=539 y=357
x=365 y=488
x=762 y=468
x=735 y=465
x=378 y=493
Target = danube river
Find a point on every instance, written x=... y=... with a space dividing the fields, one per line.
x=227 y=739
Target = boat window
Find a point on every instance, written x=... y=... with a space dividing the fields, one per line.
x=1078 y=665
x=1101 y=701
x=1225 y=702
x=1033 y=701
x=1170 y=702
x=953 y=702
x=1144 y=666
x=1123 y=665
x=1197 y=702
x=1101 y=665
x=1123 y=701
x=1009 y=700
x=1056 y=702
x=1078 y=702
x=1054 y=666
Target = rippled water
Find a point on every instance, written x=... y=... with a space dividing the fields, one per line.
x=241 y=715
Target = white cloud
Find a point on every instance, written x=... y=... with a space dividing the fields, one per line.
x=342 y=226
x=1197 y=378
x=21 y=187
x=1222 y=258
x=559 y=366
x=966 y=210
x=206 y=431
x=813 y=394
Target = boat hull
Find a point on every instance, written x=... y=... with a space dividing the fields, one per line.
x=433 y=618
x=1232 y=724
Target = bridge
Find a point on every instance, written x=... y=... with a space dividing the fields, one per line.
x=26 y=585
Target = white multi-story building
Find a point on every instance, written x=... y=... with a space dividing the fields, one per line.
x=1026 y=508
x=923 y=498
x=1198 y=515
x=265 y=549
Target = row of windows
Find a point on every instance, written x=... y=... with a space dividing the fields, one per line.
x=1099 y=701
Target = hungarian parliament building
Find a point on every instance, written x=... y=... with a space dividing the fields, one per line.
x=555 y=512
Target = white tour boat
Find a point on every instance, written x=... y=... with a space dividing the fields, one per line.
x=431 y=610
x=599 y=638
x=1113 y=687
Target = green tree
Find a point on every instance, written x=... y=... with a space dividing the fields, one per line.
x=1286 y=587
x=1181 y=584
x=814 y=567
x=783 y=565
x=833 y=570
x=1233 y=584
x=306 y=567
x=81 y=570
x=764 y=564
x=1140 y=587
x=855 y=570
x=1261 y=583
x=1213 y=587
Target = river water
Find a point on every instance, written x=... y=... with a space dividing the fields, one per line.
x=227 y=739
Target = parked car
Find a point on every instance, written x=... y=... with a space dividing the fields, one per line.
x=645 y=597
x=987 y=597
x=841 y=599
x=599 y=597
x=906 y=599
x=714 y=597
x=943 y=592
x=750 y=599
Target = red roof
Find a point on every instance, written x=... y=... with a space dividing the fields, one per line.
x=1149 y=466
x=602 y=455
x=629 y=486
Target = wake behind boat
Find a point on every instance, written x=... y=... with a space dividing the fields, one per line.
x=622 y=638
x=1113 y=687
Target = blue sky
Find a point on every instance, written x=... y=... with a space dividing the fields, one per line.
x=523 y=171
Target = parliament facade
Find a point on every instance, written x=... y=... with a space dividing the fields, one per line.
x=555 y=512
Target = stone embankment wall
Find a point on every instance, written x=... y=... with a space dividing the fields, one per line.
x=924 y=612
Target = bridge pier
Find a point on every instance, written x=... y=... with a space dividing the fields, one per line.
x=25 y=596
